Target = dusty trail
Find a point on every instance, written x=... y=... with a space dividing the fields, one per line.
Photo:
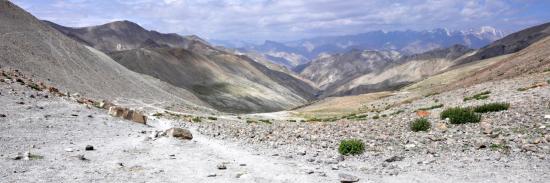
x=123 y=152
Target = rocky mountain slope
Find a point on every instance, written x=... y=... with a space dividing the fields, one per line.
x=122 y=35
x=228 y=82
x=30 y=45
x=359 y=72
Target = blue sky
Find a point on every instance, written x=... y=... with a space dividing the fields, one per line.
x=258 y=20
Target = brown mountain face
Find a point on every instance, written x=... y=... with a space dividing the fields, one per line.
x=122 y=35
x=334 y=70
x=31 y=46
x=226 y=81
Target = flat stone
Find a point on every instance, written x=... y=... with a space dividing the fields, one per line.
x=89 y=148
x=179 y=133
x=222 y=167
x=347 y=178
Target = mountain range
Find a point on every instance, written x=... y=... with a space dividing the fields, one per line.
x=294 y=53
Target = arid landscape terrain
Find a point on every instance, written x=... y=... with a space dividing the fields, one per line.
x=116 y=102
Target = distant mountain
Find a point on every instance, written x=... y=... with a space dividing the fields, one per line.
x=406 y=42
x=226 y=81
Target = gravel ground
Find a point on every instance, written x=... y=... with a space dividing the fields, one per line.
x=55 y=131
x=516 y=149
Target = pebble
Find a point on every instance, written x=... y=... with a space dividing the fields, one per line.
x=89 y=148
x=221 y=167
x=2 y=115
x=211 y=175
x=347 y=178
x=69 y=149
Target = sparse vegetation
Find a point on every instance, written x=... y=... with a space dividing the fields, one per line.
x=250 y=121
x=431 y=94
x=291 y=120
x=480 y=96
x=267 y=121
x=158 y=114
x=546 y=70
x=196 y=119
x=376 y=117
x=384 y=115
x=34 y=86
x=421 y=124
x=492 y=107
x=398 y=112
x=458 y=115
x=430 y=108
x=212 y=118
x=351 y=147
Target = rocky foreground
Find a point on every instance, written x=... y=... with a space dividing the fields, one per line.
x=46 y=136
x=507 y=146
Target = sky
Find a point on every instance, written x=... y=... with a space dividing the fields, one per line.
x=285 y=20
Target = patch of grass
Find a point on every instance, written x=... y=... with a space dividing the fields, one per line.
x=384 y=115
x=546 y=70
x=6 y=76
x=355 y=117
x=376 y=117
x=34 y=86
x=212 y=118
x=196 y=119
x=421 y=124
x=398 y=112
x=266 y=121
x=251 y=121
x=35 y=157
x=458 y=115
x=157 y=114
x=548 y=81
x=495 y=147
x=431 y=94
x=292 y=121
x=492 y=107
x=480 y=96
x=351 y=147
x=430 y=108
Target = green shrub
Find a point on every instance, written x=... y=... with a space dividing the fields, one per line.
x=430 y=108
x=398 y=112
x=384 y=115
x=292 y=121
x=212 y=118
x=351 y=147
x=34 y=86
x=458 y=115
x=156 y=114
x=250 y=121
x=492 y=107
x=480 y=96
x=267 y=121
x=376 y=117
x=421 y=124
x=196 y=119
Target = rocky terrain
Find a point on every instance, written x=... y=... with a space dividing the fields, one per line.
x=507 y=146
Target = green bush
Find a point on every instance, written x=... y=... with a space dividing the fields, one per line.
x=212 y=118
x=430 y=108
x=492 y=107
x=196 y=119
x=421 y=124
x=458 y=115
x=375 y=117
x=480 y=96
x=351 y=147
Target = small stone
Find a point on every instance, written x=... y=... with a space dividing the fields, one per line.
x=242 y=164
x=310 y=171
x=69 y=149
x=486 y=127
x=335 y=167
x=20 y=103
x=546 y=116
x=310 y=160
x=340 y=158
x=90 y=116
x=239 y=175
x=221 y=167
x=347 y=178
x=2 y=115
x=394 y=158
x=211 y=175
x=529 y=147
x=89 y=148
x=302 y=153
x=179 y=133
x=442 y=127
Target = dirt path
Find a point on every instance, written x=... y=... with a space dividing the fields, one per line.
x=57 y=131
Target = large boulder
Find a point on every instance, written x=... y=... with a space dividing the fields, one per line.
x=179 y=133
x=116 y=111
x=139 y=117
